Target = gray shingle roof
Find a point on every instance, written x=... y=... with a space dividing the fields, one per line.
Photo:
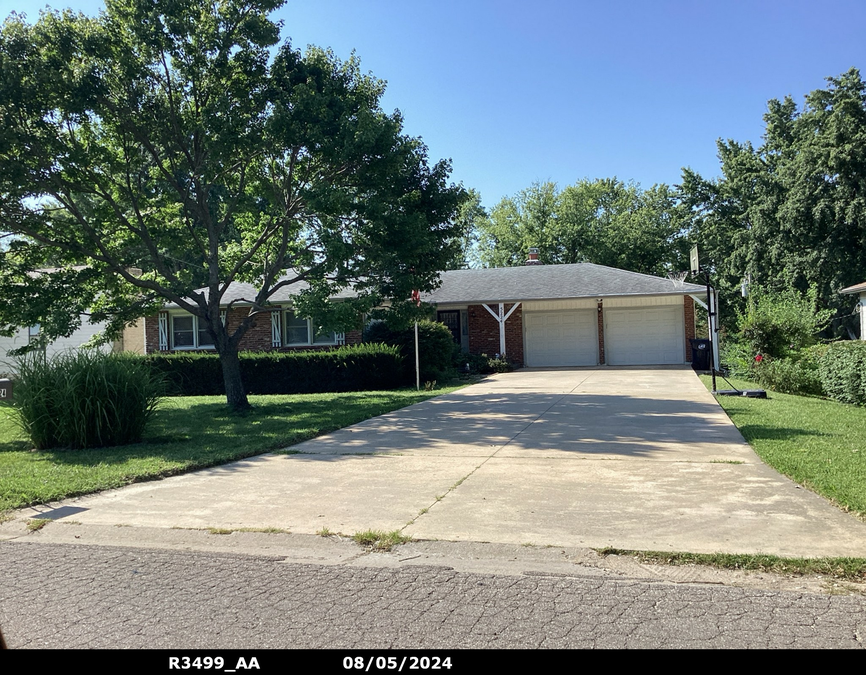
x=545 y=282
x=505 y=284
x=244 y=293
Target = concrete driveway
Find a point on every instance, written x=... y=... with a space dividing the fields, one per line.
x=633 y=458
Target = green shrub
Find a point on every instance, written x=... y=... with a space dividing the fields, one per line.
x=500 y=365
x=789 y=376
x=842 y=369
x=780 y=324
x=84 y=399
x=477 y=363
x=737 y=358
x=435 y=348
x=350 y=368
x=482 y=364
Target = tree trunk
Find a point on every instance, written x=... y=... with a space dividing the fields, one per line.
x=236 y=394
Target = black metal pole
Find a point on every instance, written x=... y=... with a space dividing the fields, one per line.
x=711 y=314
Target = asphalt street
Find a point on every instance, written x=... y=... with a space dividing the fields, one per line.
x=63 y=596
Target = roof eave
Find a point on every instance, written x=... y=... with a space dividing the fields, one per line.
x=701 y=291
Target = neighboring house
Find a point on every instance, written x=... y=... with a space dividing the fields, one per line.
x=130 y=340
x=26 y=336
x=861 y=307
x=569 y=315
x=537 y=315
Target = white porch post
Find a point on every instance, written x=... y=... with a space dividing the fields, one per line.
x=501 y=317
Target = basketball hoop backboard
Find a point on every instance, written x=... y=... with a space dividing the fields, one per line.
x=694 y=265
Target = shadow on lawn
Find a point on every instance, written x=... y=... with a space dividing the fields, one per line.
x=761 y=432
x=15 y=446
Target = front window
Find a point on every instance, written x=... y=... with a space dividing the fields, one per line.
x=187 y=332
x=299 y=331
x=183 y=331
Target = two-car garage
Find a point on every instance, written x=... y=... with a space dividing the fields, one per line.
x=630 y=335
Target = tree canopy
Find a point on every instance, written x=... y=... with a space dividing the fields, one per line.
x=791 y=213
x=602 y=221
x=161 y=148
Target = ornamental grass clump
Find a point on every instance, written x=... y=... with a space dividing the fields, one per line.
x=84 y=399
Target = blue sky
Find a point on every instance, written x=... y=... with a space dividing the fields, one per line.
x=516 y=92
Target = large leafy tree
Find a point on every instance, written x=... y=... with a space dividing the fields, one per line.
x=603 y=221
x=162 y=148
x=791 y=213
x=471 y=213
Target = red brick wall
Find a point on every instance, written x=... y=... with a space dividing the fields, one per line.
x=258 y=337
x=484 y=332
x=151 y=334
x=689 y=314
x=600 y=333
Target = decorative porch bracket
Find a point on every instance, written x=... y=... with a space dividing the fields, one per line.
x=501 y=318
x=699 y=301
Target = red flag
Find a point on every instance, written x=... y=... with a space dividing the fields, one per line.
x=416 y=297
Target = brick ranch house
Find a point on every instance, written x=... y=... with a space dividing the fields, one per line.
x=537 y=315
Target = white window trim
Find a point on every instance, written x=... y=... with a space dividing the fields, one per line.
x=195 y=330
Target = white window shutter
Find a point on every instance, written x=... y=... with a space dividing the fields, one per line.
x=341 y=338
x=223 y=316
x=276 y=329
x=163 y=331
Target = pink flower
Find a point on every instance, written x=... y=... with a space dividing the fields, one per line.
x=759 y=358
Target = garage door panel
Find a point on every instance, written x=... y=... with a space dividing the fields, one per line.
x=565 y=338
x=652 y=336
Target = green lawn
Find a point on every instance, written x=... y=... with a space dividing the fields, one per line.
x=818 y=443
x=187 y=433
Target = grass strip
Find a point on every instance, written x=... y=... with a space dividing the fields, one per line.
x=852 y=569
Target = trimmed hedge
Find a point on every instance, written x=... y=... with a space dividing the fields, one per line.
x=352 y=368
x=842 y=370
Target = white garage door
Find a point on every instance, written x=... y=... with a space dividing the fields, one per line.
x=567 y=338
x=644 y=336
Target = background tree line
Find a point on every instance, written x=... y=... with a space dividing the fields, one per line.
x=789 y=214
x=602 y=221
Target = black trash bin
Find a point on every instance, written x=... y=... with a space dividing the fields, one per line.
x=701 y=354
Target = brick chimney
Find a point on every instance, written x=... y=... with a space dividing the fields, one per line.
x=533 y=257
